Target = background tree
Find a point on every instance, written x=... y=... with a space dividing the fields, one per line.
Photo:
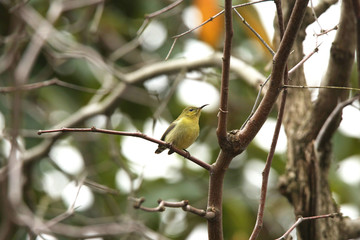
x=92 y=63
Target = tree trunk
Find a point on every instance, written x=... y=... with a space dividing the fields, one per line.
x=305 y=182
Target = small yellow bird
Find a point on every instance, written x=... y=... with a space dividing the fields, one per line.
x=183 y=131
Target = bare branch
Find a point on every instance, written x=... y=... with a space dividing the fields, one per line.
x=71 y=5
x=184 y=205
x=301 y=219
x=149 y=16
x=252 y=128
x=100 y=188
x=304 y=59
x=70 y=211
x=327 y=87
x=209 y=20
x=256 y=34
x=325 y=132
x=246 y=72
x=50 y=82
x=266 y=171
x=132 y=134
x=221 y=130
x=323 y=32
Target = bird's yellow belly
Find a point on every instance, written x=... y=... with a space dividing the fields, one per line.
x=183 y=135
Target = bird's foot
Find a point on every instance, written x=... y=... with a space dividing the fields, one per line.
x=187 y=153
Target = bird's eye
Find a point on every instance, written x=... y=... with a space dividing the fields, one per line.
x=191 y=109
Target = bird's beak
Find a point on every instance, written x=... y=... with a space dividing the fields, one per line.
x=203 y=106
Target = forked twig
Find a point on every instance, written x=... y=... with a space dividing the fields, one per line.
x=301 y=219
x=209 y=20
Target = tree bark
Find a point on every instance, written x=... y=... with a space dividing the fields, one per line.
x=305 y=182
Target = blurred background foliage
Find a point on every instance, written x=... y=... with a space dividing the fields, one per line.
x=106 y=160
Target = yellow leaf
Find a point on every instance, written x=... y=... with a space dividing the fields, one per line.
x=211 y=32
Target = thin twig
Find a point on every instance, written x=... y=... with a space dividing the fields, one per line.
x=322 y=136
x=184 y=205
x=266 y=171
x=100 y=188
x=171 y=49
x=250 y=3
x=71 y=5
x=70 y=211
x=256 y=34
x=209 y=20
x=256 y=102
x=304 y=59
x=314 y=14
x=183 y=153
x=97 y=17
x=301 y=219
x=165 y=101
x=327 y=87
x=323 y=32
x=149 y=16
x=50 y=82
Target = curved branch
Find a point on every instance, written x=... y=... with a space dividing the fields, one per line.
x=184 y=205
x=326 y=131
x=301 y=219
x=132 y=134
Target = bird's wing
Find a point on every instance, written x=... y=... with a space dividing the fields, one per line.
x=171 y=127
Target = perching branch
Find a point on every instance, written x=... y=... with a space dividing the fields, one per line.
x=132 y=134
x=237 y=66
x=184 y=205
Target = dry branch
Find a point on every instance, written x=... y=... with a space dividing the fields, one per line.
x=184 y=205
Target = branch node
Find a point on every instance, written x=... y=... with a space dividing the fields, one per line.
x=223 y=111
